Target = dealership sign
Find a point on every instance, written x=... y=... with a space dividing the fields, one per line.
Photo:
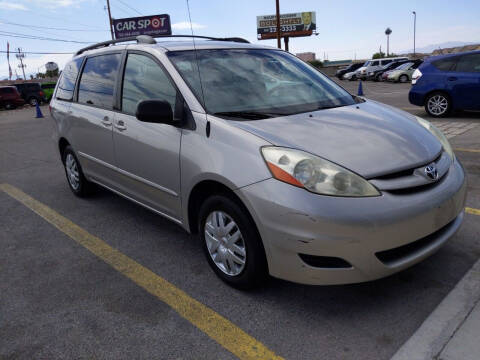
x=291 y=25
x=153 y=25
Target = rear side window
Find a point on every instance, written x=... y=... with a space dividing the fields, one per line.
x=469 y=63
x=7 y=91
x=33 y=87
x=446 y=64
x=66 y=84
x=48 y=86
x=144 y=79
x=97 y=82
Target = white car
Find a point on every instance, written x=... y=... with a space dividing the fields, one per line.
x=350 y=76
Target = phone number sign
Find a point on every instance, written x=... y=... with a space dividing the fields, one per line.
x=152 y=25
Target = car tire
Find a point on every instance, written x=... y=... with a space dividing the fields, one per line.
x=9 y=106
x=77 y=182
x=438 y=104
x=403 y=78
x=231 y=242
x=33 y=101
x=378 y=78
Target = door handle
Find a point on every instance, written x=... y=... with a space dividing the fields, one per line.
x=106 y=121
x=452 y=78
x=120 y=125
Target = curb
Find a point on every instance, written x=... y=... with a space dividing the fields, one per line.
x=441 y=325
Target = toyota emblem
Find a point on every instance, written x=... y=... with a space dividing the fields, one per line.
x=431 y=172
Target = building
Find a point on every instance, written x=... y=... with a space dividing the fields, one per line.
x=306 y=56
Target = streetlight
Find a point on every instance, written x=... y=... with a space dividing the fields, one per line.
x=414 y=30
x=388 y=31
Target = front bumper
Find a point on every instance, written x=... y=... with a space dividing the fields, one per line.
x=293 y=221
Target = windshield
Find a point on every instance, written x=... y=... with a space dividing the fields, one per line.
x=404 y=66
x=259 y=81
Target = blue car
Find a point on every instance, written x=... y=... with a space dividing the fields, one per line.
x=447 y=82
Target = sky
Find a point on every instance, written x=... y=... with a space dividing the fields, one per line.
x=347 y=29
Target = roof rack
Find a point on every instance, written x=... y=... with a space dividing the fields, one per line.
x=147 y=39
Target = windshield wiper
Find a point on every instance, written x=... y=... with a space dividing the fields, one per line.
x=329 y=107
x=250 y=115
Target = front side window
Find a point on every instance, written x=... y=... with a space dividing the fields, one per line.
x=66 y=83
x=267 y=82
x=469 y=63
x=97 y=82
x=374 y=63
x=144 y=79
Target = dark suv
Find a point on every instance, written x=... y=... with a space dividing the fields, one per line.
x=31 y=92
x=10 y=98
x=352 y=67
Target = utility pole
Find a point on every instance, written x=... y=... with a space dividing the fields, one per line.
x=279 y=41
x=414 y=31
x=110 y=18
x=20 y=56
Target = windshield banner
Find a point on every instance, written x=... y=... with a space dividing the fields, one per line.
x=152 y=25
x=292 y=25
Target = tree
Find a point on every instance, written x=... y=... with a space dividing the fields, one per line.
x=378 y=55
x=381 y=55
x=52 y=73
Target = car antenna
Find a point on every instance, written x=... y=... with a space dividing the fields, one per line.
x=207 y=127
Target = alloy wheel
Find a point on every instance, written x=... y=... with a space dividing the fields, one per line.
x=225 y=243
x=437 y=105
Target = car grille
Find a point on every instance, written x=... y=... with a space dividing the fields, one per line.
x=393 y=256
x=414 y=179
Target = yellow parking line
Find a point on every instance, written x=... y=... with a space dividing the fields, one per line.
x=467 y=150
x=224 y=332
x=472 y=211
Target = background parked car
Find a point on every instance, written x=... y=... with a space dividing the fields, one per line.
x=448 y=82
x=10 y=97
x=350 y=76
x=404 y=72
x=377 y=74
x=31 y=92
x=48 y=89
x=352 y=67
x=373 y=65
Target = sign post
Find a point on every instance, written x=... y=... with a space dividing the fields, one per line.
x=152 y=25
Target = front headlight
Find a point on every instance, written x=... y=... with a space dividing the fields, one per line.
x=315 y=174
x=438 y=134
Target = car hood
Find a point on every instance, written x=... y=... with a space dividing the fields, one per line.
x=369 y=138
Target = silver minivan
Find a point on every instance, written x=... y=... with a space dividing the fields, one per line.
x=278 y=169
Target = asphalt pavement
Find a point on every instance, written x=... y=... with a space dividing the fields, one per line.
x=59 y=299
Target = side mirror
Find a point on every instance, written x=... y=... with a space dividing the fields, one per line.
x=155 y=111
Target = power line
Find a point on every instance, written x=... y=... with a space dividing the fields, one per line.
x=131 y=8
x=50 y=28
x=70 y=21
x=32 y=37
x=39 y=53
